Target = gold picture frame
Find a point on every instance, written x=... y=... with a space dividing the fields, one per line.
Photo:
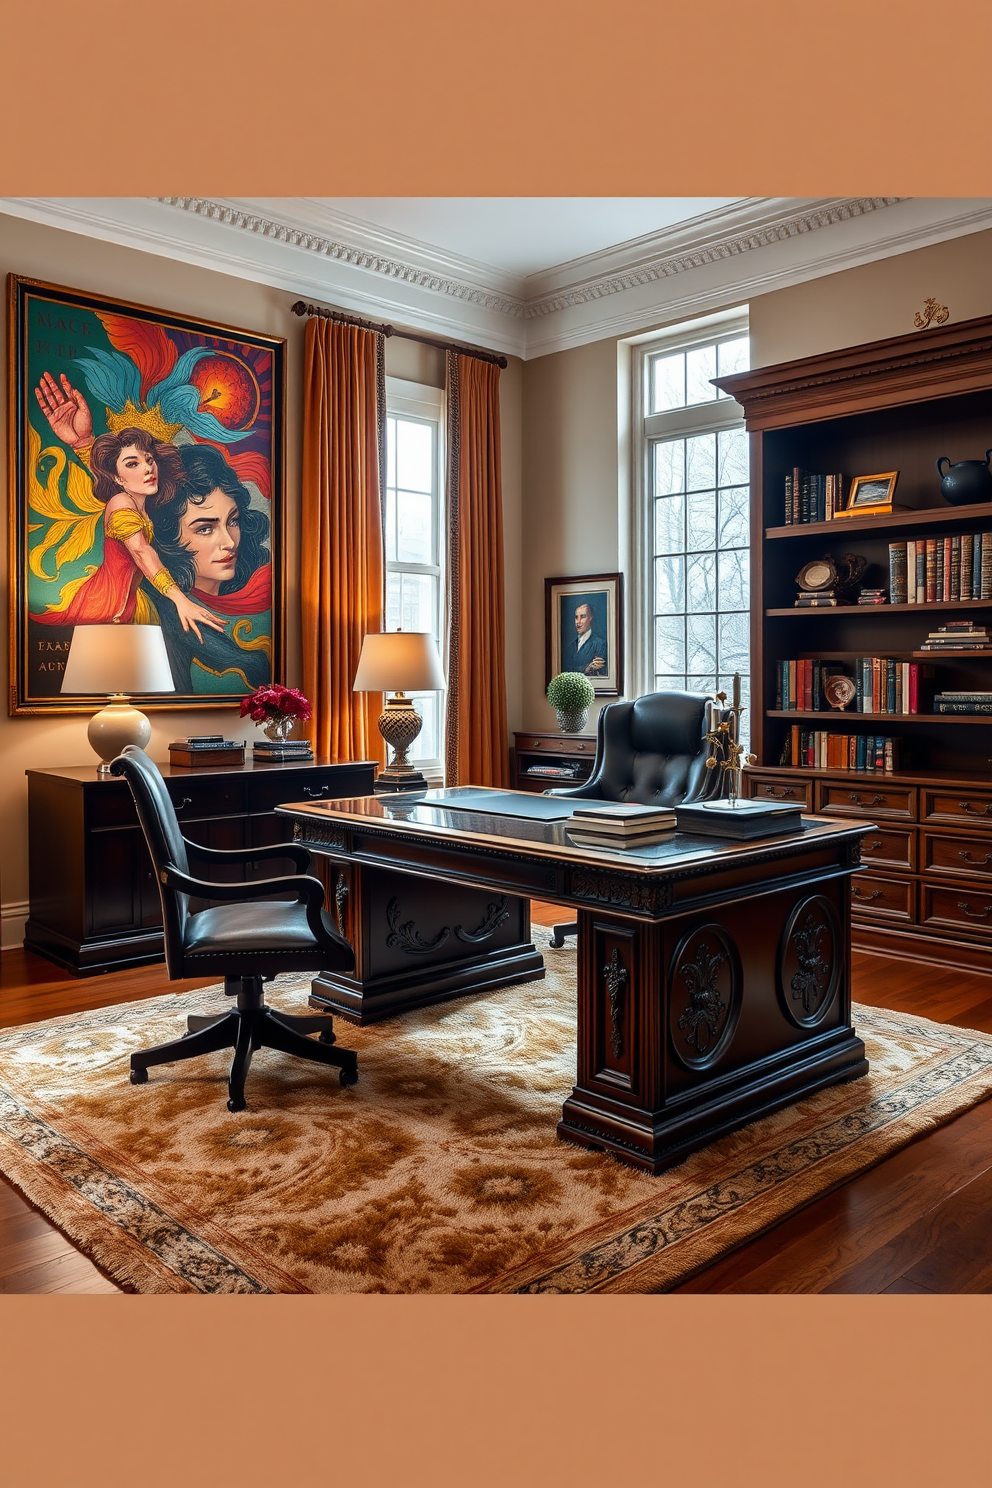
x=870 y=495
x=208 y=401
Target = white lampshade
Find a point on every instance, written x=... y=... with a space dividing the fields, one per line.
x=106 y=659
x=399 y=661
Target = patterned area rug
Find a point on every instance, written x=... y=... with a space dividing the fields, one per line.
x=440 y=1171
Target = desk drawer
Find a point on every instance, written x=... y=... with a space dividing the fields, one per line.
x=892 y=847
x=266 y=792
x=957 y=855
x=877 y=898
x=565 y=745
x=957 y=907
x=215 y=795
x=961 y=807
x=780 y=788
x=839 y=798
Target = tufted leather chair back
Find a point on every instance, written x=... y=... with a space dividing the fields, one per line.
x=165 y=843
x=652 y=752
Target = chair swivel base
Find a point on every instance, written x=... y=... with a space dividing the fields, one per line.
x=251 y=1026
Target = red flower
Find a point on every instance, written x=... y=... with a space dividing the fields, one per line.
x=276 y=701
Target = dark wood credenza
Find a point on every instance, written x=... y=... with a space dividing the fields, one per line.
x=535 y=752
x=94 y=903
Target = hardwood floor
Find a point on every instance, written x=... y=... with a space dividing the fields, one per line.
x=920 y=1222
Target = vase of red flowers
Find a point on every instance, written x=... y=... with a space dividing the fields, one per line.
x=277 y=708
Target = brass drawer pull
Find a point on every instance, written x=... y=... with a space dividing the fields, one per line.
x=874 y=844
x=876 y=800
x=774 y=790
x=967 y=806
x=875 y=894
x=966 y=855
x=315 y=795
x=974 y=914
x=186 y=801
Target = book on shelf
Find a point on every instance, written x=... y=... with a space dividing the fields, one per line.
x=897 y=572
x=809 y=497
x=815 y=602
x=941 y=569
x=822 y=749
x=941 y=705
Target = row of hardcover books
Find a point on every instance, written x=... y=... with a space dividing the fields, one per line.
x=812 y=498
x=881 y=685
x=817 y=749
x=932 y=569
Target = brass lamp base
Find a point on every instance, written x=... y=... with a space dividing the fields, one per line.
x=399 y=725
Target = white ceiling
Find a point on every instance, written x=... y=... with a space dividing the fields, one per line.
x=521 y=235
x=522 y=275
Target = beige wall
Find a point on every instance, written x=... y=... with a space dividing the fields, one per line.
x=77 y=262
x=576 y=439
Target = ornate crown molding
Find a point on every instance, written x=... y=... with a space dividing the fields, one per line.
x=715 y=250
x=346 y=253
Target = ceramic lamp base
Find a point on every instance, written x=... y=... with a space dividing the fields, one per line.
x=400 y=725
x=115 y=726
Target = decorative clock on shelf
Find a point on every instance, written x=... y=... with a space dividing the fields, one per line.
x=839 y=690
x=829 y=581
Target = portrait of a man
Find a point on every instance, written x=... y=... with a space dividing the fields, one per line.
x=583 y=629
x=586 y=651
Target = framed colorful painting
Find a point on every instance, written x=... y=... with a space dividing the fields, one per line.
x=146 y=488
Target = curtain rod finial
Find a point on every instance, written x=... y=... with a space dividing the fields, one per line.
x=299 y=308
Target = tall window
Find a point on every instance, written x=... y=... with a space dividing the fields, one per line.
x=413 y=536
x=694 y=528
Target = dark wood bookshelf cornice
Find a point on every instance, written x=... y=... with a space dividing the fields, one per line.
x=935 y=363
x=924 y=516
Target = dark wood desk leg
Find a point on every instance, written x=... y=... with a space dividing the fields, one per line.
x=419 y=941
x=691 y=1026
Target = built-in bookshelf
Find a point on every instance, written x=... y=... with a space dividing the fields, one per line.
x=895 y=405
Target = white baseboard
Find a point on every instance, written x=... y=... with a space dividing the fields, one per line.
x=13 y=918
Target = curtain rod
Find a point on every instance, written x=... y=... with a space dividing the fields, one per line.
x=302 y=308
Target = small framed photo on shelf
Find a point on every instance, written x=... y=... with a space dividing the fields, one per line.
x=870 y=494
x=583 y=630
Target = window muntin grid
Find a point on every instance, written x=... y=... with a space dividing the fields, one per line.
x=412 y=542
x=698 y=520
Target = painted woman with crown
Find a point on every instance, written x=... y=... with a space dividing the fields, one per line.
x=132 y=471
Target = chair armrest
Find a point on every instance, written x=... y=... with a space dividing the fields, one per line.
x=292 y=850
x=308 y=891
x=580 y=792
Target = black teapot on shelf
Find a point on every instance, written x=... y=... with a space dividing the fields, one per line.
x=968 y=480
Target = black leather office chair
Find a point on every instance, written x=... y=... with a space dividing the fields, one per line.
x=651 y=752
x=246 y=940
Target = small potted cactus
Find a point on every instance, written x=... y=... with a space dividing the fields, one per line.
x=570 y=694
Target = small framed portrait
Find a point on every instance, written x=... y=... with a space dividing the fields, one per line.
x=584 y=630
x=870 y=493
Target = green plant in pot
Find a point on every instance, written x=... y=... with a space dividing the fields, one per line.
x=570 y=694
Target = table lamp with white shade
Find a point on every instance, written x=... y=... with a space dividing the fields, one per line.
x=117 y=660
x=399 y=661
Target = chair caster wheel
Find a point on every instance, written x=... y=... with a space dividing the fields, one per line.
x=139 y=1077
x=328 y=1037
x=348 y=1077
x=237 y=1105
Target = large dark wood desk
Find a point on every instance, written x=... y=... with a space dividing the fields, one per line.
x=94 y=899
x=713 y=977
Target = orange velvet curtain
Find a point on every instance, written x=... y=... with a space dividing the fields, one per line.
x=476 y=751
x=342 y=565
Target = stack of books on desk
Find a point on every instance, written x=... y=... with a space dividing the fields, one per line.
x=620 y=826
x=206 y=749
x=279 y=751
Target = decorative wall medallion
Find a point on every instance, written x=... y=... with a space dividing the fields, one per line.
x=810 y=961
x=933 y=313
x=340 y=895
x=496 y=914
x=627 y=893
x=704 y=1002
x=615 y=974
x=406 y=936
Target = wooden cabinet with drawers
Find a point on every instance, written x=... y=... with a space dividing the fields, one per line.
x=925 y=885
x=543 y=761
x=94 y=903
